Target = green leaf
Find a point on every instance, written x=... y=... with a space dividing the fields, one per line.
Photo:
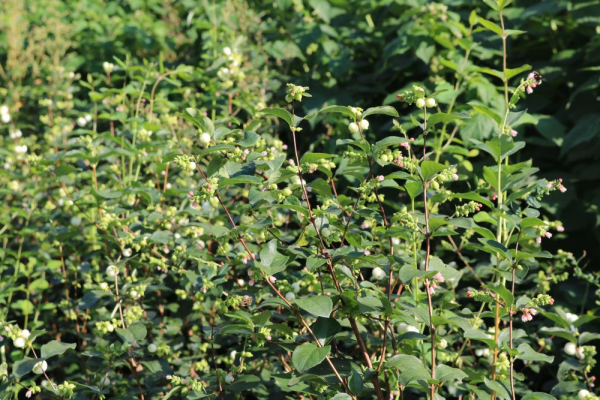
x=338 y=109
x=279 y=113
x=388 y=141
x=308 y=355
x=320 y=306
x=496 y=247
x=341 y=396
x=411 y=368
x=490 y=26
x=355 y=383
x=511 y=72
x=530 y=222
x=386 y=110
x=271 y=261
x=526 y=353
x=240 y=179
x=472 y=196
x=498 y=387
x=480 y=108
x=200 y=120
x=442 y=118
x=24 y=366
x=503 y=292
x=430 y=168
x=55 y=348
x=131 y=335
x=314 y=157
x=538 y=396
x=325 y=329
x=446 y=374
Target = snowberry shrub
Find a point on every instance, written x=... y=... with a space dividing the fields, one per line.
x=220 y=257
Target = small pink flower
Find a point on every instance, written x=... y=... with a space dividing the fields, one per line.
x=273 y=149
x=439 y=277
x=494 y=197
x=367 y=253
x=250 y=273
x=549 y=185
x=529 y=90
x=538 y=240
x=548 y=235
x=272 y=279
x=562 y=189
x=264 y=153
x=551 y=302
x=455 y=177
x=28 y=394
x=191 y=194
x=432 y=287
x=513 y=133
x=194 y=204
x=251 y=282
x=380 y=178
x=531 y=75
x=166 y=250
x=291 y=162
x=268 y=337
x=285 y=147
x=169 y=377
x=1 y=339
x=560 y=228
x=469 y=293
x=246 y=151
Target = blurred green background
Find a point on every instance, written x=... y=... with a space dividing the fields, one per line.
x=348 y=52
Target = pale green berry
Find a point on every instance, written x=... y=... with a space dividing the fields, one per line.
x=430 y=102
x=152 y=348
x=352 y=127
x=420 y=103
x=364 y=124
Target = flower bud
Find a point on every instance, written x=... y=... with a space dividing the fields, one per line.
x=352 y=127
x=364 y=124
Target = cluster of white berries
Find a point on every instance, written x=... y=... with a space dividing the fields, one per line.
x=429 y=103
x=5 y=114
x=83 y=121
x=353 y=126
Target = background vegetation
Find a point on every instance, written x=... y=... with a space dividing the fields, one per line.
x=166 y=56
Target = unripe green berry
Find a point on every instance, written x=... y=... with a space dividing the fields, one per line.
x=420 y=103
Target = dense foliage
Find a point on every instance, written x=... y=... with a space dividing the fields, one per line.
x=299 y=199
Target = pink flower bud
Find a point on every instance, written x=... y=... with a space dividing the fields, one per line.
x=531 y=75
x=246 y=151
x=560 y=228
x=513 y=133
x=538 y=240
x=194 y=204
x=439 y=277
x=272 y=279
x=529 y=90
x=268 y=337
x=191 y=194
x=548 y=235
x=251 y=282
x=169 y=377
x=264 y=153
x=455 y=177
x=285 y=147
x=380 y=178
